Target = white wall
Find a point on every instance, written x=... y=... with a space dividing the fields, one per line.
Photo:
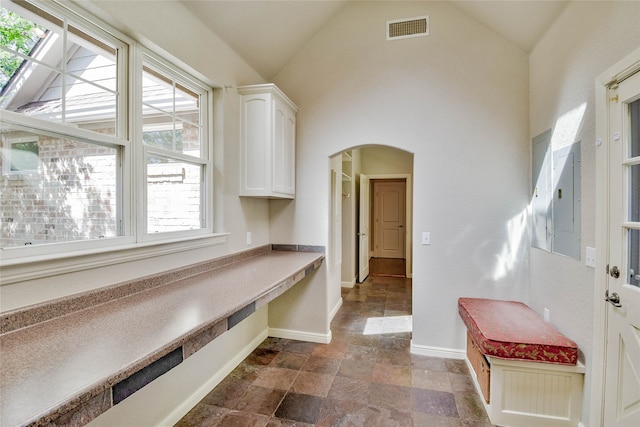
x=385 y=160
x=457 y=100
x=587 y=39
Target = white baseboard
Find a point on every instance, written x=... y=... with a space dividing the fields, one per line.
x=449 y=353
x=300 y=335
x=212 y=382
x=335 y=309
x=350 y=284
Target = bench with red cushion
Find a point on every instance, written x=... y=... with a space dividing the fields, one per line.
x=512 y=330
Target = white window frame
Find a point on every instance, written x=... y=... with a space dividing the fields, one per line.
x=147 y=57
x=26 y=263
x=7 y=154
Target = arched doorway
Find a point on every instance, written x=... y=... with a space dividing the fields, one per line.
x=376 y=165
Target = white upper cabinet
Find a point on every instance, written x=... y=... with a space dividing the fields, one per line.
x=267 y=142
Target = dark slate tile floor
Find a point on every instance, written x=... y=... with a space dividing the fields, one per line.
x=365 y=377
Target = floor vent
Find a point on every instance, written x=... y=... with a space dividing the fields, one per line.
x=407 y=28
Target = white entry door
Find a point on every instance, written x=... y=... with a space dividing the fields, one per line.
x=389 y=197
x=363 y=229
x=622 y=371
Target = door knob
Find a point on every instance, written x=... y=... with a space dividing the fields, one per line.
x=615 y=272
x=613 y=299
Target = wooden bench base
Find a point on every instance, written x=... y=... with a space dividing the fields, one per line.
x=480 y=367
x=528 y=394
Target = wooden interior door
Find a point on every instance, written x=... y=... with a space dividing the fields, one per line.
x=363 y=229
x=389 y=218
x=622 y=371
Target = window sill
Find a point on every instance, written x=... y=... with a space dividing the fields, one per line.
x=35 y=267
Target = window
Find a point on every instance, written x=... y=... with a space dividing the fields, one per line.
x=21 y=155
x=81 y=164
x=175 y=153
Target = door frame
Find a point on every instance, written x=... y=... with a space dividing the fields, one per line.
x=408 y=200
x=622 y=69
x=364 y=211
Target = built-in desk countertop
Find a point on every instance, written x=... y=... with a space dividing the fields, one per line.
x=70 y=365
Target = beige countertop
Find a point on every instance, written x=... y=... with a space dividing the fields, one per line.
x=52 y=367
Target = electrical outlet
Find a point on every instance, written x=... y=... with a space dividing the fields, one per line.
x=546 y=315
x=248 y=237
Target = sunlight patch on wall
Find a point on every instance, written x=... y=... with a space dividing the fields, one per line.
x=567 y=127
x=513 y=248
x=387 y=325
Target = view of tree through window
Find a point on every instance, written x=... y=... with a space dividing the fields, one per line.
x=19 y=35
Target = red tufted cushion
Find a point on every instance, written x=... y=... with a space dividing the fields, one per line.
x=512 y=330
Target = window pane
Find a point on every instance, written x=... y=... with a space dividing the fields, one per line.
x=634 y=112
x=22 y=37
x=157 y=92
x=174 y=109
x=634 y=193
x=76 y=85
x=92 y=108
x=190 y=138
x=70 y=196
x=158 y=131
x=174 y=195
x=187 y=105
x=634 y=257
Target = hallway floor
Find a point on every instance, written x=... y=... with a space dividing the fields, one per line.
x=365 y=377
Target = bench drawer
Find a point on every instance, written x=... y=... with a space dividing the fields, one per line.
x=480 y=366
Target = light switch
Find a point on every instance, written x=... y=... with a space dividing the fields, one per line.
x=590 y=257
x=426 y=237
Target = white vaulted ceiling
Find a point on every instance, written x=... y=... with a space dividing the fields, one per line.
x=267 y=34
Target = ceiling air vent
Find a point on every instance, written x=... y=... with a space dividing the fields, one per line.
x=408 y=27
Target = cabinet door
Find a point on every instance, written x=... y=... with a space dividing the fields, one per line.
x=290 y=154
x=283 y=176
x=255 y=153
